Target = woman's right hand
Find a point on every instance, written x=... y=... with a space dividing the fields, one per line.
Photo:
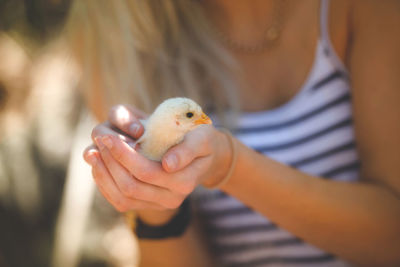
x=124 y=123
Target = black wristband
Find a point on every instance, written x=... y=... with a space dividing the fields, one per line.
x=175 y=227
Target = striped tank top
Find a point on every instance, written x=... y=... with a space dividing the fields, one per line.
x=313 y=132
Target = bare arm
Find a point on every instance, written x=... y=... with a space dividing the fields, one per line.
x=359 y=222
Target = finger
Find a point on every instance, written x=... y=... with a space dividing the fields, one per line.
x=106 y=129
x=89 y=154
x=134 y=188
x=196 y=144
x=126 y=119
x=110 y=191
x=145 y=170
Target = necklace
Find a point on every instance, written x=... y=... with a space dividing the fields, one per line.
x=270 y=36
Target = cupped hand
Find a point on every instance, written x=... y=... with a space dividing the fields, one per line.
x=129 y=181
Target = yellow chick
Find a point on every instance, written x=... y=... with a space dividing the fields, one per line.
x=168 y=124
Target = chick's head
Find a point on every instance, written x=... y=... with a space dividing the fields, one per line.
x=168 y=125
x=180 y=115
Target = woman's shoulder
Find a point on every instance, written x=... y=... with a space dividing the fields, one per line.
x=347 y=18
x=373 y=60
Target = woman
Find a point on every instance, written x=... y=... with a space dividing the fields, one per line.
x=311 y=72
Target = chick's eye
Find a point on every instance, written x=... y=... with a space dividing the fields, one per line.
x=189 y=115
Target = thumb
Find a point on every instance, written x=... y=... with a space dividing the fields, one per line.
x=126 y=119
x=194 y=145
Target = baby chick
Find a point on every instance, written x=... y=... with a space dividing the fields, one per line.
x=168 y=124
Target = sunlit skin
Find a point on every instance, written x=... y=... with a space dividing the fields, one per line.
x=362 y=225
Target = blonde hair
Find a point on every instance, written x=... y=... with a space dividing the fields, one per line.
x=144 y=51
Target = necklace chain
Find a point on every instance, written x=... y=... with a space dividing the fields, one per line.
x=270 y=36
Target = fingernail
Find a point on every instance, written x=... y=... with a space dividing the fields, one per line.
x=91 y=159
x=99 y=143
x=171 y=161
x=134 y=129
x=107 y=142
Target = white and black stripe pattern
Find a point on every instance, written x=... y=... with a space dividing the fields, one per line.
x=313 y=133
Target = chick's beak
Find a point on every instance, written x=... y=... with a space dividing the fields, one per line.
x=204 y=119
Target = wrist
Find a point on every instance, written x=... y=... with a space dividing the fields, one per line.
x=225 y=166
x=156 y=217
x=172 y=228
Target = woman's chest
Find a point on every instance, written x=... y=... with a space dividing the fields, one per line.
x=269 y=82
x=272 y=79
x=274 y=76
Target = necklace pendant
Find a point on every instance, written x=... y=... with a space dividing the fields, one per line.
x=272 y=34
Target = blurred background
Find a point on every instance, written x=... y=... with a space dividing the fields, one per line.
x=50 y=212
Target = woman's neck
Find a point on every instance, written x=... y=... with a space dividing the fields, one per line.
x=241 y=20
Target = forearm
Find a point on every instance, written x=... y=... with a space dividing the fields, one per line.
x=357 y=221
x=188 y=250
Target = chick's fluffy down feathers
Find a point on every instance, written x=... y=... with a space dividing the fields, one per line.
x=168 y=124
